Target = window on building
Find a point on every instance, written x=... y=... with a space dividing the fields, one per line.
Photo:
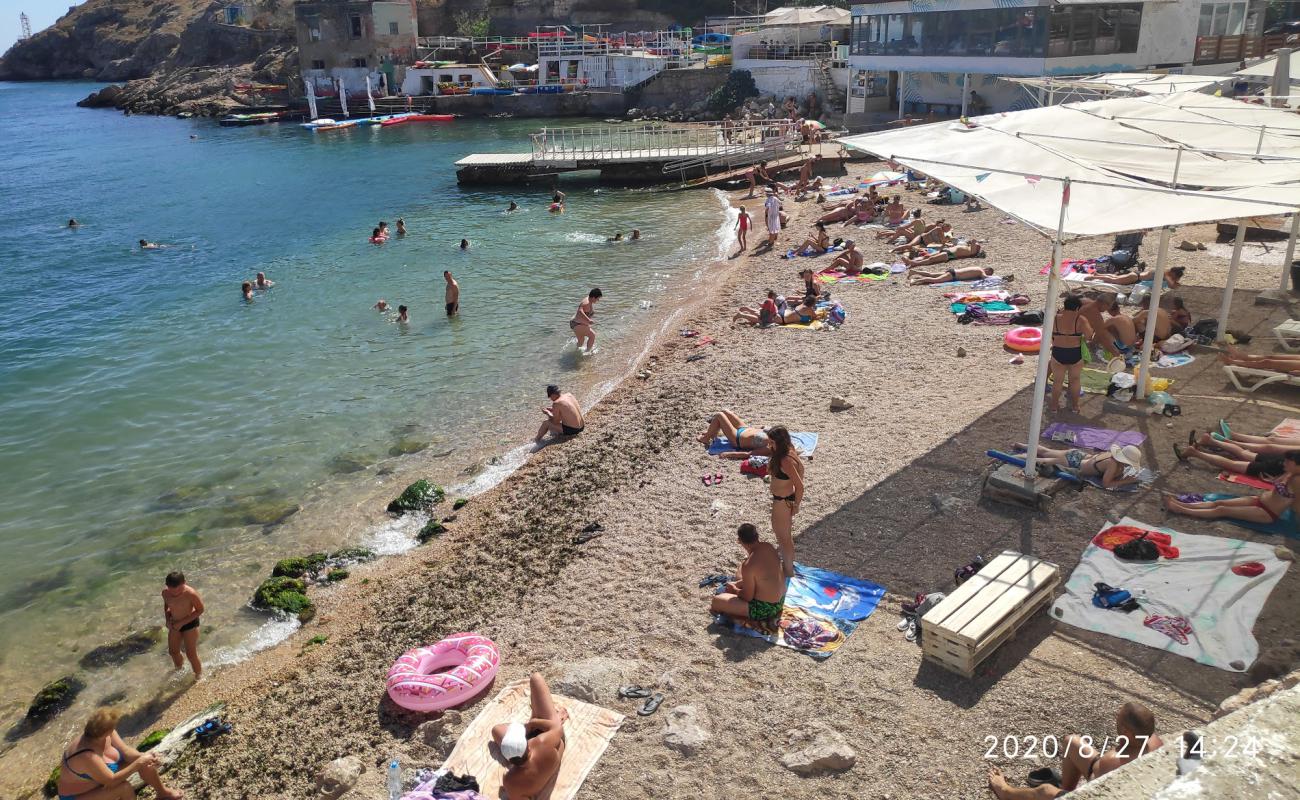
x=313 y=33
x=354 y=22
x=465 y=78
x=392 y=29
x=358 y=62
x=981 y=32
x=1085 y=30
x=318 y=64
x=870 y=83
x=444 y=78
x=1222 y=19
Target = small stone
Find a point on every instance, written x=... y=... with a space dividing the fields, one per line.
x=1284 y=553
x=339 y=776
x=961 y=352
x=1188 y=246
x=683 y=730
x=840 y=403
x=130 y=645
x=817 y=749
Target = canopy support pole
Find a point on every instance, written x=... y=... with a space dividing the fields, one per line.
x=1044 y=348
x=965 y=93
x=1153 y=311
x=1232 y=279
x=1290 y=252
x=902 y=77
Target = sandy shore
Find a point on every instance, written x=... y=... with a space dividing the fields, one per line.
x=892 y=497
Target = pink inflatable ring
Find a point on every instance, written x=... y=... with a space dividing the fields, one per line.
x=1025 y=340
x=414 y=682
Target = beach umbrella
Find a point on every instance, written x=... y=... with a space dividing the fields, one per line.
x=343 y=97
x=311 y=96
x=370 y=100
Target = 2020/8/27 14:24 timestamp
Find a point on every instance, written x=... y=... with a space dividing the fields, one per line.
x=1051 y=746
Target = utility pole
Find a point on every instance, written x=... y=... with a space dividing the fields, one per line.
x=27 y=27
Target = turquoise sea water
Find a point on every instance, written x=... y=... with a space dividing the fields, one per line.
x=151 y=419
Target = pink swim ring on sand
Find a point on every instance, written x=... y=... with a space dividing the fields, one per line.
x=415 y=683
x=1025 y=340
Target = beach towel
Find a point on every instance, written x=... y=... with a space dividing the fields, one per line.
x=822 y=609
x=1093 y=381
x=991 y=306
x=1245 y=480
x=1195 y=605
x=1171 y=360
x=587 y=733
x=1288 y=428
x=1145 y=478
x=1072 y=265
x=805 y=443
x=1091 y=438
x=1284 y=526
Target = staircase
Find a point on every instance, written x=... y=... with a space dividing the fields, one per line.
x=832 y=93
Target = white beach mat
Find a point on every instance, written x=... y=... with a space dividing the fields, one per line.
x=1199 y=588
x=587 y=733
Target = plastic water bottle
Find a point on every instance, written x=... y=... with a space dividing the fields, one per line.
x=394 y=780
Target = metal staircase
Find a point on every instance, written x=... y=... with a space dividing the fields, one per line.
x=832 y=94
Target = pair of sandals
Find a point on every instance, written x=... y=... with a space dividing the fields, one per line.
x=712 y=480
x=652 y=699
x=207 y=732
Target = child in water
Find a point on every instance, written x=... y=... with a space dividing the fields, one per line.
x=182 y=607
x=401 y=315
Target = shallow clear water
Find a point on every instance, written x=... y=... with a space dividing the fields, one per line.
x=151 y=420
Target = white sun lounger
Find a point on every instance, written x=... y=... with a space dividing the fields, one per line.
x=1242 y=377
x=1288 y=335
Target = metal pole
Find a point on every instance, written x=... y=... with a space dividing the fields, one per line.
x=1232 y=279
x=1049 y=321
x=965 y=93
x=1290 y=252
x=1051 y=93
x=1259 y=145
x=902 y=76
x=1148 y=340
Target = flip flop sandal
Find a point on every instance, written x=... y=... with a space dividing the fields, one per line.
x=651 y=705
x=717 y=478
x=1043 y=776
x=1191 y=438
x=707 y=480
x=633 y=692
x=593 y=527
x=697 y=357
x=714 y=579
x=1223 y=427
x=583 y=538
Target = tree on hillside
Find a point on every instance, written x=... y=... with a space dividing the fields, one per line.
x=468 y=23
x=738 y=88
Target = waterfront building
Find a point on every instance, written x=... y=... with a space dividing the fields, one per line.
x=346 y=41
x=794 y=52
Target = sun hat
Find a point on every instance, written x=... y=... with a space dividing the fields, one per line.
x=1128 y=455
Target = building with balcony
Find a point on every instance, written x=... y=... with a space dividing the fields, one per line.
x=793 y=52
x=349 y=40
x=929 y=55
x=591 y=57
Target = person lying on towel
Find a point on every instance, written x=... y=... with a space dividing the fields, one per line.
x=1085 y=758
x=1264 y=509
x=1231 y=457
x=1173 y=277
x=947 y=253
x=1115 y=468
x=935 y=235
x=534 y=749
x=920 y=278
x=758 y=594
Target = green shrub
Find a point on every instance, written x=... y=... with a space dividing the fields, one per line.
x=738 y=88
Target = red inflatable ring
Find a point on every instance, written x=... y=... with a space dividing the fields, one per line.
x=1024 y=340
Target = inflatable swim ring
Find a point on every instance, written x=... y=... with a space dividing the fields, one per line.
x=1025 y=340
x=415 y=683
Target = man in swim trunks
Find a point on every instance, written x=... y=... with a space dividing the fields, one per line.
x=563 y=417
x=758 y=593
x=947 y=253
x=261 y=282
x=182 y=607
x=534 y=749
x=453 y=294
x=1084 y=758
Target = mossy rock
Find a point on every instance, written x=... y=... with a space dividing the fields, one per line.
x=152 y=740
x=51 y=787
x=352 y=554
x=406 y=447
x=419 y=496
x=298 y=566
x=133 y=644
x=53 y=698
x=336 y=574
x=269 y=513
x=460 y=503
x=285 y=594
x=431 y=529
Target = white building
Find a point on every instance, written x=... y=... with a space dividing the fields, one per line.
x=796 y=51
x=931 y=54
x=447 y=79
x=589 y=57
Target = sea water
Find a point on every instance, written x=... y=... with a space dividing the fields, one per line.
x=151 y=420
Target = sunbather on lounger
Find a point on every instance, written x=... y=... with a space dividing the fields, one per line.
x=1276 y=362
x=758 y=593
x=1173 y=277
x=534 y=749
x=740 y=435
x=919 y=278
x=936 y=234
x=1085 y=759
x=948 y=253
x=1117 y=467
x=1263 y=509
x=1232 y=457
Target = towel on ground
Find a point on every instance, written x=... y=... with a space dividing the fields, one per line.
x=587 y=733
x=1196 y=605
x=1093 y=381
x=1072 y=265
x=805 y=443
x=1091 y=438
x=991 y=306
x=1171 y=360
x=822 y=609
x=1245 y=480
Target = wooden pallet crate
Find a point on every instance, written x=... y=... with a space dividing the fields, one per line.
x=986 y=611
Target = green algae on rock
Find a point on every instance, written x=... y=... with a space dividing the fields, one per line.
x=460 y=503
x=419 y=496
x=133 y=644
x=288 y=595
x=151 y=741
x=431 y=529
x=53 y=698
x=336 y=574
x=298 y=566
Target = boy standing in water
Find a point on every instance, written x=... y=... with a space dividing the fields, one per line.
x=453 y=294
x=182 y=608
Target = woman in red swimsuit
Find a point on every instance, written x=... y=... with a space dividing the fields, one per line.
x=1264 y=509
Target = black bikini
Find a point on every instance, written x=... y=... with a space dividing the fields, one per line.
x=1068 y=355
x=779 y=475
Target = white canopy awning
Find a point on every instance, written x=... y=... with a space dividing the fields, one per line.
x=1265 y=68
x=1125 y=82
x=808 y=15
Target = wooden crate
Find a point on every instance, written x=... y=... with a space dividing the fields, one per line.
x=986 y=611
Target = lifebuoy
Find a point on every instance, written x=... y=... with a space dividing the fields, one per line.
x=1024 y=340
x=415 y=683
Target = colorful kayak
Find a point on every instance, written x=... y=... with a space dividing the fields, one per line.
x=380 y=120
x=419 y=118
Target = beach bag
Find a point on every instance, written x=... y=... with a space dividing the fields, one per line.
x=836 y=315
x=1138 y=549
x=1108 y=597
x=1034 y=318
x=1206 y=329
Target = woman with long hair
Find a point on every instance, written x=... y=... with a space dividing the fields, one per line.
x=786 y=471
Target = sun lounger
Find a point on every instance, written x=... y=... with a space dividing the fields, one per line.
x=1249 y=380
x=1288 y=335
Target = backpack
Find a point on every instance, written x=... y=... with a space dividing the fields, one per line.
x=1138 y=549
x=1028 y=318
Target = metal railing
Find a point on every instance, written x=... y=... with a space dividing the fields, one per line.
x=703 y=140
x=811 y=51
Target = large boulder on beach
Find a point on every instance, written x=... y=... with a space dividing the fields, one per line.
x=684 y=730
x=339 y=776
x=816 y=749
x=53 y=698
x=419 y=496
x=595 y=679
x=287 y=595
x=132 y=644
x=298 y=566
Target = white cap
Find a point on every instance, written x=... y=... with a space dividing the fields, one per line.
x=515 y=741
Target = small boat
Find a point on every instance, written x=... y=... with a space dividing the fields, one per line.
x=418 y=118
x=239 y=120
x=332 y=125
x=383 y=118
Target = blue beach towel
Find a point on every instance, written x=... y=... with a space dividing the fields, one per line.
x=805 y=443
x=822 y=608
x=1285 y=525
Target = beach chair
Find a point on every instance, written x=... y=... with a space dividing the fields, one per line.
x=1288 y=335
x=1249 y=380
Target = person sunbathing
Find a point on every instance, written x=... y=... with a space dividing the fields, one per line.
x=909 y=230
x=1239 y=460
x=1115 y=468
x=920 y=278
x=758 y=592
x=1274 y=362
x=738 y=434
x=864 y=211
x=534 y=749
x=1120 y=330
x=765 y=314
x=1271 y=444
x=816 y=244
x=804 y=314
x=1083 y=760
x=1164 y=325
x=946 y=254
x=936 y=234
x=894 y=212
x=812 y=284
x=1173 y=277
x=1263 y=509
x=849 y=262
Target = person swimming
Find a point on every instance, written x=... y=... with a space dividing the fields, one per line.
x=377 y=236
x=261 y=282
x=636 y=234
x=145 y=244
x=72 y=223
x=402 y=316
x=513 y=206
x=464 y=244
x=247 y=290
x=401 y=227
x=618 y=237
x=381 y=306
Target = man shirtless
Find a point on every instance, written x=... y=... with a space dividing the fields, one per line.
x=1123 y=332
x=564 y=417
x=182 y=608
x=849 y=261
x=453 y=294
x=936 y=234
x=758 y=594
x=261 y=281
x=534 y=749
x=1084 y=760
x=1164 y=325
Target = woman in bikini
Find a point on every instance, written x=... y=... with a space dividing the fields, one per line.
x=97 y=763
x=1263 y=509
x=804 y=314
x=1116 y=468
x=947 y=253
x=934 y=235
x=1067 y=352
x=583 y=323
x=909 y=230
x=786 y=471
x=747 y=438
x=816 y=244
x=919 y=278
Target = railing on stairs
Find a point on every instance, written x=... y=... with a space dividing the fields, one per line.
x=688 y=141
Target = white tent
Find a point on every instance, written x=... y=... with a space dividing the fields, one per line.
x=1266 y=68
x=807 y=15
x=1082 y=170
x=1123 y=83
